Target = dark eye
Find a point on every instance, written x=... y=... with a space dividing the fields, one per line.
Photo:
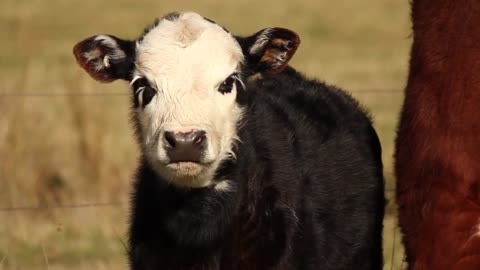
x=227 y=85
x=148 y=94
x=144 y=95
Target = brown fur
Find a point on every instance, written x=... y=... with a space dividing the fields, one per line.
x=438 y=143
x=280 y=50
x=80 y=49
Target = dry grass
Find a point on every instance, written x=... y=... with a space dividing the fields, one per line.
x=75 y=149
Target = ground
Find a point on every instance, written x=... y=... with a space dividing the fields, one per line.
x=66 y=140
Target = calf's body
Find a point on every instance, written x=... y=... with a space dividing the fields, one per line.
x=280 y=172
x=304 y=192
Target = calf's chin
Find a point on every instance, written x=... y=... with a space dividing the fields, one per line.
x=186 y=174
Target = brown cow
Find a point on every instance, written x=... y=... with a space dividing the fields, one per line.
x=438 y=143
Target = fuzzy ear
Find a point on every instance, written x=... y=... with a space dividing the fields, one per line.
x=106 y=58
x=270 y=49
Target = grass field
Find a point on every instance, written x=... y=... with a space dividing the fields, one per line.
x=66 y=140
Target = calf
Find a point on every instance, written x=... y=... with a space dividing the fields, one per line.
x=245 y=163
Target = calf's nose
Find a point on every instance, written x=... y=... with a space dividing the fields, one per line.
x=185 y=146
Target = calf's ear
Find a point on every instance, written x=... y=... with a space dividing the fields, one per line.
x=269 y=50
x=106 y=58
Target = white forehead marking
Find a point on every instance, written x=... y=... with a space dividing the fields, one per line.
x=188 y=42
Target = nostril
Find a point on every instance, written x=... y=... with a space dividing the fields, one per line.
x=199 y=137
x=170 y=140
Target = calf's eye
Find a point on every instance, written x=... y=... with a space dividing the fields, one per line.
x=145 y=95
x=227 y=85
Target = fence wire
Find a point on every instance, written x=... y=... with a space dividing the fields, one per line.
x=51 y=94
x=81 y=205
x=61 y=206
x=124 y=203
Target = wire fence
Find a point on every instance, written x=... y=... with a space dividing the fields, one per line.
x=51 y=94
x=84 y=205
x=79 y=205
x=392 y=249
x=61 y=206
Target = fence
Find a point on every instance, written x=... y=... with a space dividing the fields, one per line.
x=16 y=208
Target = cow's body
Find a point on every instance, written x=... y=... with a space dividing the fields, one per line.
x=438 y=142
x=297 y=177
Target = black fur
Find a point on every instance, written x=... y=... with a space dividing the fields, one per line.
x=212 y=21
x=274 y=54
x=118 y=68
x=306 y=186
x=307 y=194
x=121 y=69
x=172 y=16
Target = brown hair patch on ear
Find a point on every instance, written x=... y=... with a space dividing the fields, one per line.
x=105 y=58
x=93 y=59
x=279 y=50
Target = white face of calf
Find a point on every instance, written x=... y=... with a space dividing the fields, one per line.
x=185 y=73
x=187 y=118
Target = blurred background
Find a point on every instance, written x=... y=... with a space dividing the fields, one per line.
x=67 y=151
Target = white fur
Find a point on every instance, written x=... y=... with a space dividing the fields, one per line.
x=224 y=186
x=477 y=229
x=95 y=55
x=261 y=41
x=135 y=78
x=110 y=42
x=186 y=60
x=475 y=234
